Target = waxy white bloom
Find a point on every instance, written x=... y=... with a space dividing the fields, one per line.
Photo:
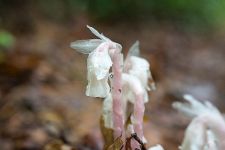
x=107 y=111
x=211 y=141
x=157 y=147
x=98 y=62
x=194 y=107
x=129 y=92
x=197 y=135
x=139 y=67
x=131 y=86
x=98 y=65
x=194 y=137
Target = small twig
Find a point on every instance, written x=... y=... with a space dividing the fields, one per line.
x=134 y=136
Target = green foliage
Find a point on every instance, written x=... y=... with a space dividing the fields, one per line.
x=6 y=39
x=188 y=13
x=185 y=12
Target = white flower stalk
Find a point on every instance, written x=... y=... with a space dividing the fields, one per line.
x=107 y=111
x=139 y=67
x=157 y=147
x=104 y=54
x=208 y=121
x=194 y=137
x=211 y=141
x=132 y=88
x=98 y=63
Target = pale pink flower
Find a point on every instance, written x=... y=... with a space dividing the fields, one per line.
x=98 y=63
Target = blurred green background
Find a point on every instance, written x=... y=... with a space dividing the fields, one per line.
x=183 y=13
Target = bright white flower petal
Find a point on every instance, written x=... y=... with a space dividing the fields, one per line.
x=194 y=136
x=140 y=69
x=203 y=127
x=86 y=46
x=157 y=147
x=134 y=50
x=138 y=66
x=96 y=33
x=95 y=87
x=131 y=85
x=99 y=62
x=98 y=65
x=107 y=111
x=211 y=141
x=194 y=107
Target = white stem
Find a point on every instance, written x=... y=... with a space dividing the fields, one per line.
x=216 y=124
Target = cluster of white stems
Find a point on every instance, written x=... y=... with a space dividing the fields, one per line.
x=207 y=128
x=121 y=81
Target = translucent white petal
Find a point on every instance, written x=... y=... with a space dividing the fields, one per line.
x=107 y=111
x=86 y=46
x=194 y=107
x=194 y=137
x=96 y=33
x=134 y=50
x=95 y=87
x=211 y=142
x=157 y=147
x=131 y=86
x=140 y=68
x=99 y=62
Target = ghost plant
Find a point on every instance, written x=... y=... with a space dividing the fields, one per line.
x=128 y=84
x=207 y=129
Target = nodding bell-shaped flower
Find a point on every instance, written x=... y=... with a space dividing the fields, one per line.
x=198 y=137
x=139 y=67
x=131 y=86
x=98 y=62
x=133 y=91
x=129 y=93
x=208 y=121
x=98 y=65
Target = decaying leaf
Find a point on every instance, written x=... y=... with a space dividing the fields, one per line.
x=57 y=145
x=117 y=145
x=128 y=144
x=107 y=134
x=54 y=145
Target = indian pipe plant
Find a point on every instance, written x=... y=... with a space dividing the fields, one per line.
x=123 y=84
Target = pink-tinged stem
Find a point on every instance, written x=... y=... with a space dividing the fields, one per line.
x=139 y=109
x=116 y=95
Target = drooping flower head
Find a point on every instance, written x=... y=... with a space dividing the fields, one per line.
x=98 y=63
x=207 y=129
x=139 y=67
x=131 y=86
